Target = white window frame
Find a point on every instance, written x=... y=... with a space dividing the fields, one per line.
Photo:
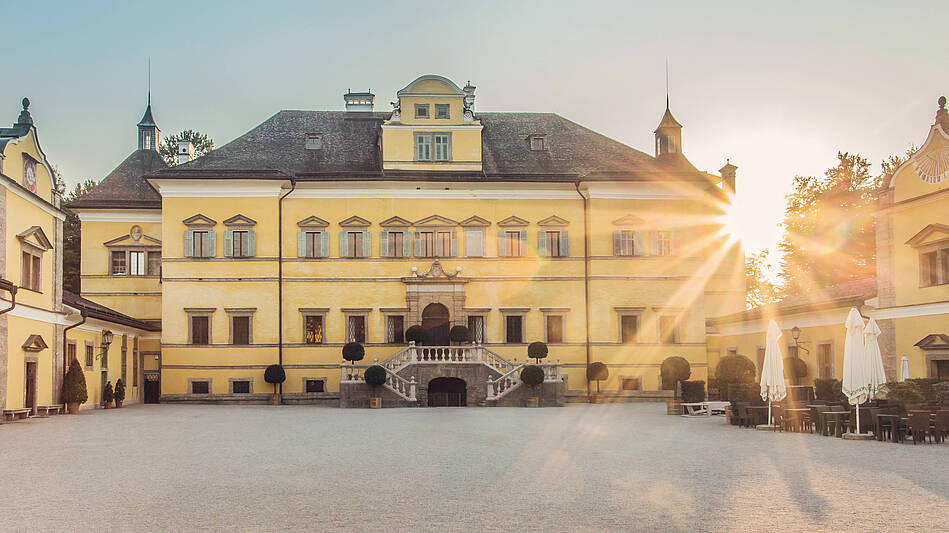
x=474 y=236
x=664 y=242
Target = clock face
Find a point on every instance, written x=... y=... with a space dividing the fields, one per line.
x=29 y=175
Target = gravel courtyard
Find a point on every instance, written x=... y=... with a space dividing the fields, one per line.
x=586 y=467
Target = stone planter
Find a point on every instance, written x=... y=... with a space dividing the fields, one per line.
x=274 y=399
x=375 y=403
x=118 y=404
x=107 y=405
x=597 y=398
x=72 y=408
x=533 y=401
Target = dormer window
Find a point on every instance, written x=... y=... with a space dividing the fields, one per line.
x=421 y=111
x=538 y=143
x=314 y=141
x=441 y=110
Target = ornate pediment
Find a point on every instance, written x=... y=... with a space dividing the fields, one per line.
x=35 y=237
x=934 y=341
x=355 y=222
x=240 y=220
x=436 y=272
x=436 y=220
x=513 y=221
x=129 y=240
x=931 y=234
x=199 y=220
x=313 y=221
x=629 y=220
x=553 y=220
x=34 y=343
x=475 y=221
x=395 y=222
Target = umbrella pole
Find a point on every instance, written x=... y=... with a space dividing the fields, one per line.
x=769 y=406
x=858 y=419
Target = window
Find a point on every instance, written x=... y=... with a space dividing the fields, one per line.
x=929 y=270
x=314 y=142
x=200 y=387
x=825 y=361
x=423 y=147
x=354 y=244
x=554 y=329
x=240 y=330
x=395 y=243
x=421 y=111
x=70 y=353
x=476 y=327
x=314 y=243
x=624 y=242
x=664 y=243
x=442 y=147
x=629 y=329
x=240 y=243
x=30 y=269
x=538 y=143
x=200 y=330
x=792 y=350
x=119 y=263
x=240 y=386
x=513 y=243
x=668 y=329
x=136 y=263
x=630 y=383
x=474 y=243
x=443 y=243
x=395 y=329
x=759 y=357
x=513 y=329
x=90 y=356
x=201 y=243
x=356 y=328
x=441 y=110
x=135 y=362
x=552 y=243
x=315 y=385
x=425 y=245
x=731 y=351
x=313 y=329
x=154 y=263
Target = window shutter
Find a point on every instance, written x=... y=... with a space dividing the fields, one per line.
x=324 y=244
x=301 y=244
x=564 y=243
x=654 y=243
x=343 y=245
x=251 y=243
x=454 y=244
x=189 y=243
x=638 y=245
x=502 y=250
x=406 y=244
x=523 y=249
x=383 y=243
x=541 y=243
x=228 y=243
x=618 y=242
x=366 y=244
x=212 y=244
x=418 y=245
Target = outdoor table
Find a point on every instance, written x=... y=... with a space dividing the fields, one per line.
x=715 y=407
x=695 y=409
x=837 y=415
x=894 y=428
x=796 y=413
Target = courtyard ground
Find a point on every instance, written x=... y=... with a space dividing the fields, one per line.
x=625 y=467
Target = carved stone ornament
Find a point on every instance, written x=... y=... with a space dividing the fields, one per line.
x=135 y=233
x=436 y=271
x=933 y=164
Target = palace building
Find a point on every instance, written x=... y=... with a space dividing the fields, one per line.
x=318 y=228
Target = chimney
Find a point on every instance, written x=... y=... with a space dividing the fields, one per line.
x=185 y=151
x=359 y=101
x=728 y=177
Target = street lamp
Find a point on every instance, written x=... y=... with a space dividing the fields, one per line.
x=106 y=341
x=796 y=334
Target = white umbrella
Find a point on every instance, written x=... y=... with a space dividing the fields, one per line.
x=856 y=371
x=772 y=369
x=904 y=368
x=877 y=374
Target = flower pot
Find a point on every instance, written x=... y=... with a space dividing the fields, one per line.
x=375 y=403
x=118 y=403
x=107 y=405
x=533 y=401
x=72 y=408
x=274 y=399
x=673 y=407
x=597 y=398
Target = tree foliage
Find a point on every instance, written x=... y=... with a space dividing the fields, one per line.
x=597 y=371
x=169 y=145
x=107 y=394
x=537 y=350
x=760 y=289
x=119 y=390
x=532 y=375
x=459 y=334
x=375 y=376
x=416 y=334
x=674 y=369
x=72 y=241
x=734 y=369
x=353 y=351
x=74 y=384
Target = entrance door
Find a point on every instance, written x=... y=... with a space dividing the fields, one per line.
x=436 y=324
x=152 y=390
x=942 y=369
x=30 y=400
x=447 y=392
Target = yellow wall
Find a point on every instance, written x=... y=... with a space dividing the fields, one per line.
x=91 y=332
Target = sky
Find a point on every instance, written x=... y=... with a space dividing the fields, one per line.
x=777 y=89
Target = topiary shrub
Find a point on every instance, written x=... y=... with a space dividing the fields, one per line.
x=537 y=351
x=119 y=391
x=674 y=369
x=275 y=375
x=829 y=390
x=353 y=351
x=108 y=396
x=693 y=391
x=532 y=375
x=375 y=376
x=733 y=370
x=941 y=392
x=795 y=369
x=416 y=334
x=925 y=387
x=74 y=384
x=597 y=371
x=459 y=334
x=904 y=393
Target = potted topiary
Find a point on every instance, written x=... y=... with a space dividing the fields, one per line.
x=74 y=388
x=795 y=369
x=459 y=334
x=119 y=392
x=353 y=351
x=673 y=370
x=375 y=377
x=693 y=391
x=416 y=334
x=107 y=395
x=597 y=371
x=733 y=372
x=532 y=376
x=537 y=351
x=275 y=375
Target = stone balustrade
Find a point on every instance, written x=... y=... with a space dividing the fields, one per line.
x=512 y=379
x=394 y=382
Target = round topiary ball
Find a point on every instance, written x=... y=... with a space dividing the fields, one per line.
x=275 y=374
x=459 y=334
x=353 y=351
x=375 y=376
x=674 y=369
x=795 y=368
x=597 y=371
x=537 y=350
x=532 y=375
x=415 y=334
x=735 y=369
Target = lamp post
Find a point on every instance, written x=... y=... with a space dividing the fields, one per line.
x=796 y=334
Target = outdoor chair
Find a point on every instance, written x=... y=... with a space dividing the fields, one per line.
x=867 y=420
x=918 y=426
x=941 y=426
x=743 y=419
x=777 y=413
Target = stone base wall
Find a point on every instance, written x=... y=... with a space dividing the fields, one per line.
x=549 y=394
x=356 y=395
x=475 y=376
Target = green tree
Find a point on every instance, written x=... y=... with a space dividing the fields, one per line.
x=169 y=145
x=72 y=241
x=760 y=289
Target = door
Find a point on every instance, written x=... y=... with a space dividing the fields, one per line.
x=104 y=379
x=447 y=392
x=152 y=389
x=30 y=401
x=942 y=369
x=436 y=324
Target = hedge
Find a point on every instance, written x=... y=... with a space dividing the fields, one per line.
x=828 y=390
x=693 y=391
x=119 y=390
x=375 y=376
x=459 y=334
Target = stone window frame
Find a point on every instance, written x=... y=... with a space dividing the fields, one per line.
x=427 y=109
x=312 y=311
x=394 y=311
x=240 y=223
x=941 y=249
x=364 y=312
x=35 y=253
x=209 y=381
x=85 y=355
x=538 y=142
x=514 y=311
x=124 y=356
x=483 y=312
x=311 y=378
x=475 y=223
x=817 y=345
x=230 y=385
x=201 y=222
x=621 y=377
x=556 y=311
x=677 y=314
x=446 y=108
x=201 y=311
x=638 y=312
x=233 y=312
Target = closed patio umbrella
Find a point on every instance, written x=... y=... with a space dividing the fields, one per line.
x=874 y=359
x=772 y=369
x=904 y=368
x=856 y=380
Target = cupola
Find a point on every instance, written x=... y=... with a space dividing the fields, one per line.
x=359 y=101
x=148 y=131
x=668 y=135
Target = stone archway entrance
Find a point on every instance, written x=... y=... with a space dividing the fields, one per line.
x=447 y=392
x=436 y=322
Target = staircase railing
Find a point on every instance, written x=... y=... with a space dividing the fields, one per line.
x=406 y=388
x=474 y=353
x=511 y=380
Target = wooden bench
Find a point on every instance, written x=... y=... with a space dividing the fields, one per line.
x=15 y=414
x=44 y=411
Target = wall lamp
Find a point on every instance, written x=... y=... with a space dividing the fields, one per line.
x=796 y=334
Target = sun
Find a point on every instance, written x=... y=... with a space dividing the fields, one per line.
x=730 y=225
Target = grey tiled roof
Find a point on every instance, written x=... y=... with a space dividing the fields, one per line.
x=126 y=186
x=93 y=310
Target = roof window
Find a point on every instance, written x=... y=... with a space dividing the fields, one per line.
x=314 y=141
x=538 y=142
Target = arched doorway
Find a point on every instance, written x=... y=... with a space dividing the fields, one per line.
x=447 y=392
x=436 y=324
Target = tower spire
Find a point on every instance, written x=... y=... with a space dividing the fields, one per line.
x=150 y=81
x=667 y=84
x=148 y=131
